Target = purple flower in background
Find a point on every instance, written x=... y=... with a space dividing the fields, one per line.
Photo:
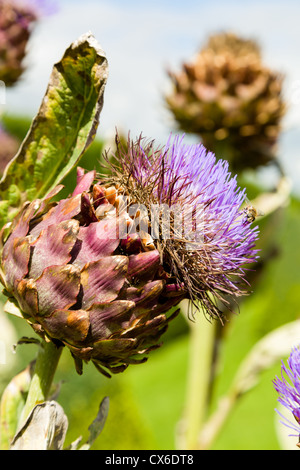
x=288 y=388
x=38 y=8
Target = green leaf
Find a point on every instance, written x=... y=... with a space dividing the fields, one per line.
x=95 y=427
x=98 y=424
x=64 y=127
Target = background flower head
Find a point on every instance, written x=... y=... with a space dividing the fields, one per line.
x=288 y=388
x=17 y=19
x=231 y=100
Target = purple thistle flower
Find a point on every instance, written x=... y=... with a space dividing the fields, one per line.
x=288 y=388
x=221 y=238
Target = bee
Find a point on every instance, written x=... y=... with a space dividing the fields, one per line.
x=251 y=212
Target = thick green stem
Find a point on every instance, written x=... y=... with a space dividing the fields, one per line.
x=45 y=367
x=200 y=367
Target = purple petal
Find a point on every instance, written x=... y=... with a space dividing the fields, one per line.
x=106 y=349
x=20 y=227
x=53 y=246
x=111 y=317
x=16 y=261
x=103 y=279
x=98 y=240
x=131 y=244
x=143 y=295
x=58 y=288
x=143 y=265
x=208 y=200
x=87 y=209
x=67 y=325
x=288 y=388
x=84 y=181
x=27 y=296
x=64 y=210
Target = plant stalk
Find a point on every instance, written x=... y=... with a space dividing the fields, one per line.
x=199 y=380
x=46 y=363
x=215 y=423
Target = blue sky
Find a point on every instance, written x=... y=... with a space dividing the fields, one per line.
x=142 y=39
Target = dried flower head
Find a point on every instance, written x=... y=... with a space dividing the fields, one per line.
x=288 y=388
x=100 y=270
x=231 y=100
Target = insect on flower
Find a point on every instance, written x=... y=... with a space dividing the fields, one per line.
x=251 y=212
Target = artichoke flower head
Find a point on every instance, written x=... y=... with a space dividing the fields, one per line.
x=102 y=270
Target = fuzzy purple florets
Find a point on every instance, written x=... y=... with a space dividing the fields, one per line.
x=209 y=184
x=288 y=388
x=222 y=240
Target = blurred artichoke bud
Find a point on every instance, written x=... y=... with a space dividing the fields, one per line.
x=230 y=100
x=16 y=21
